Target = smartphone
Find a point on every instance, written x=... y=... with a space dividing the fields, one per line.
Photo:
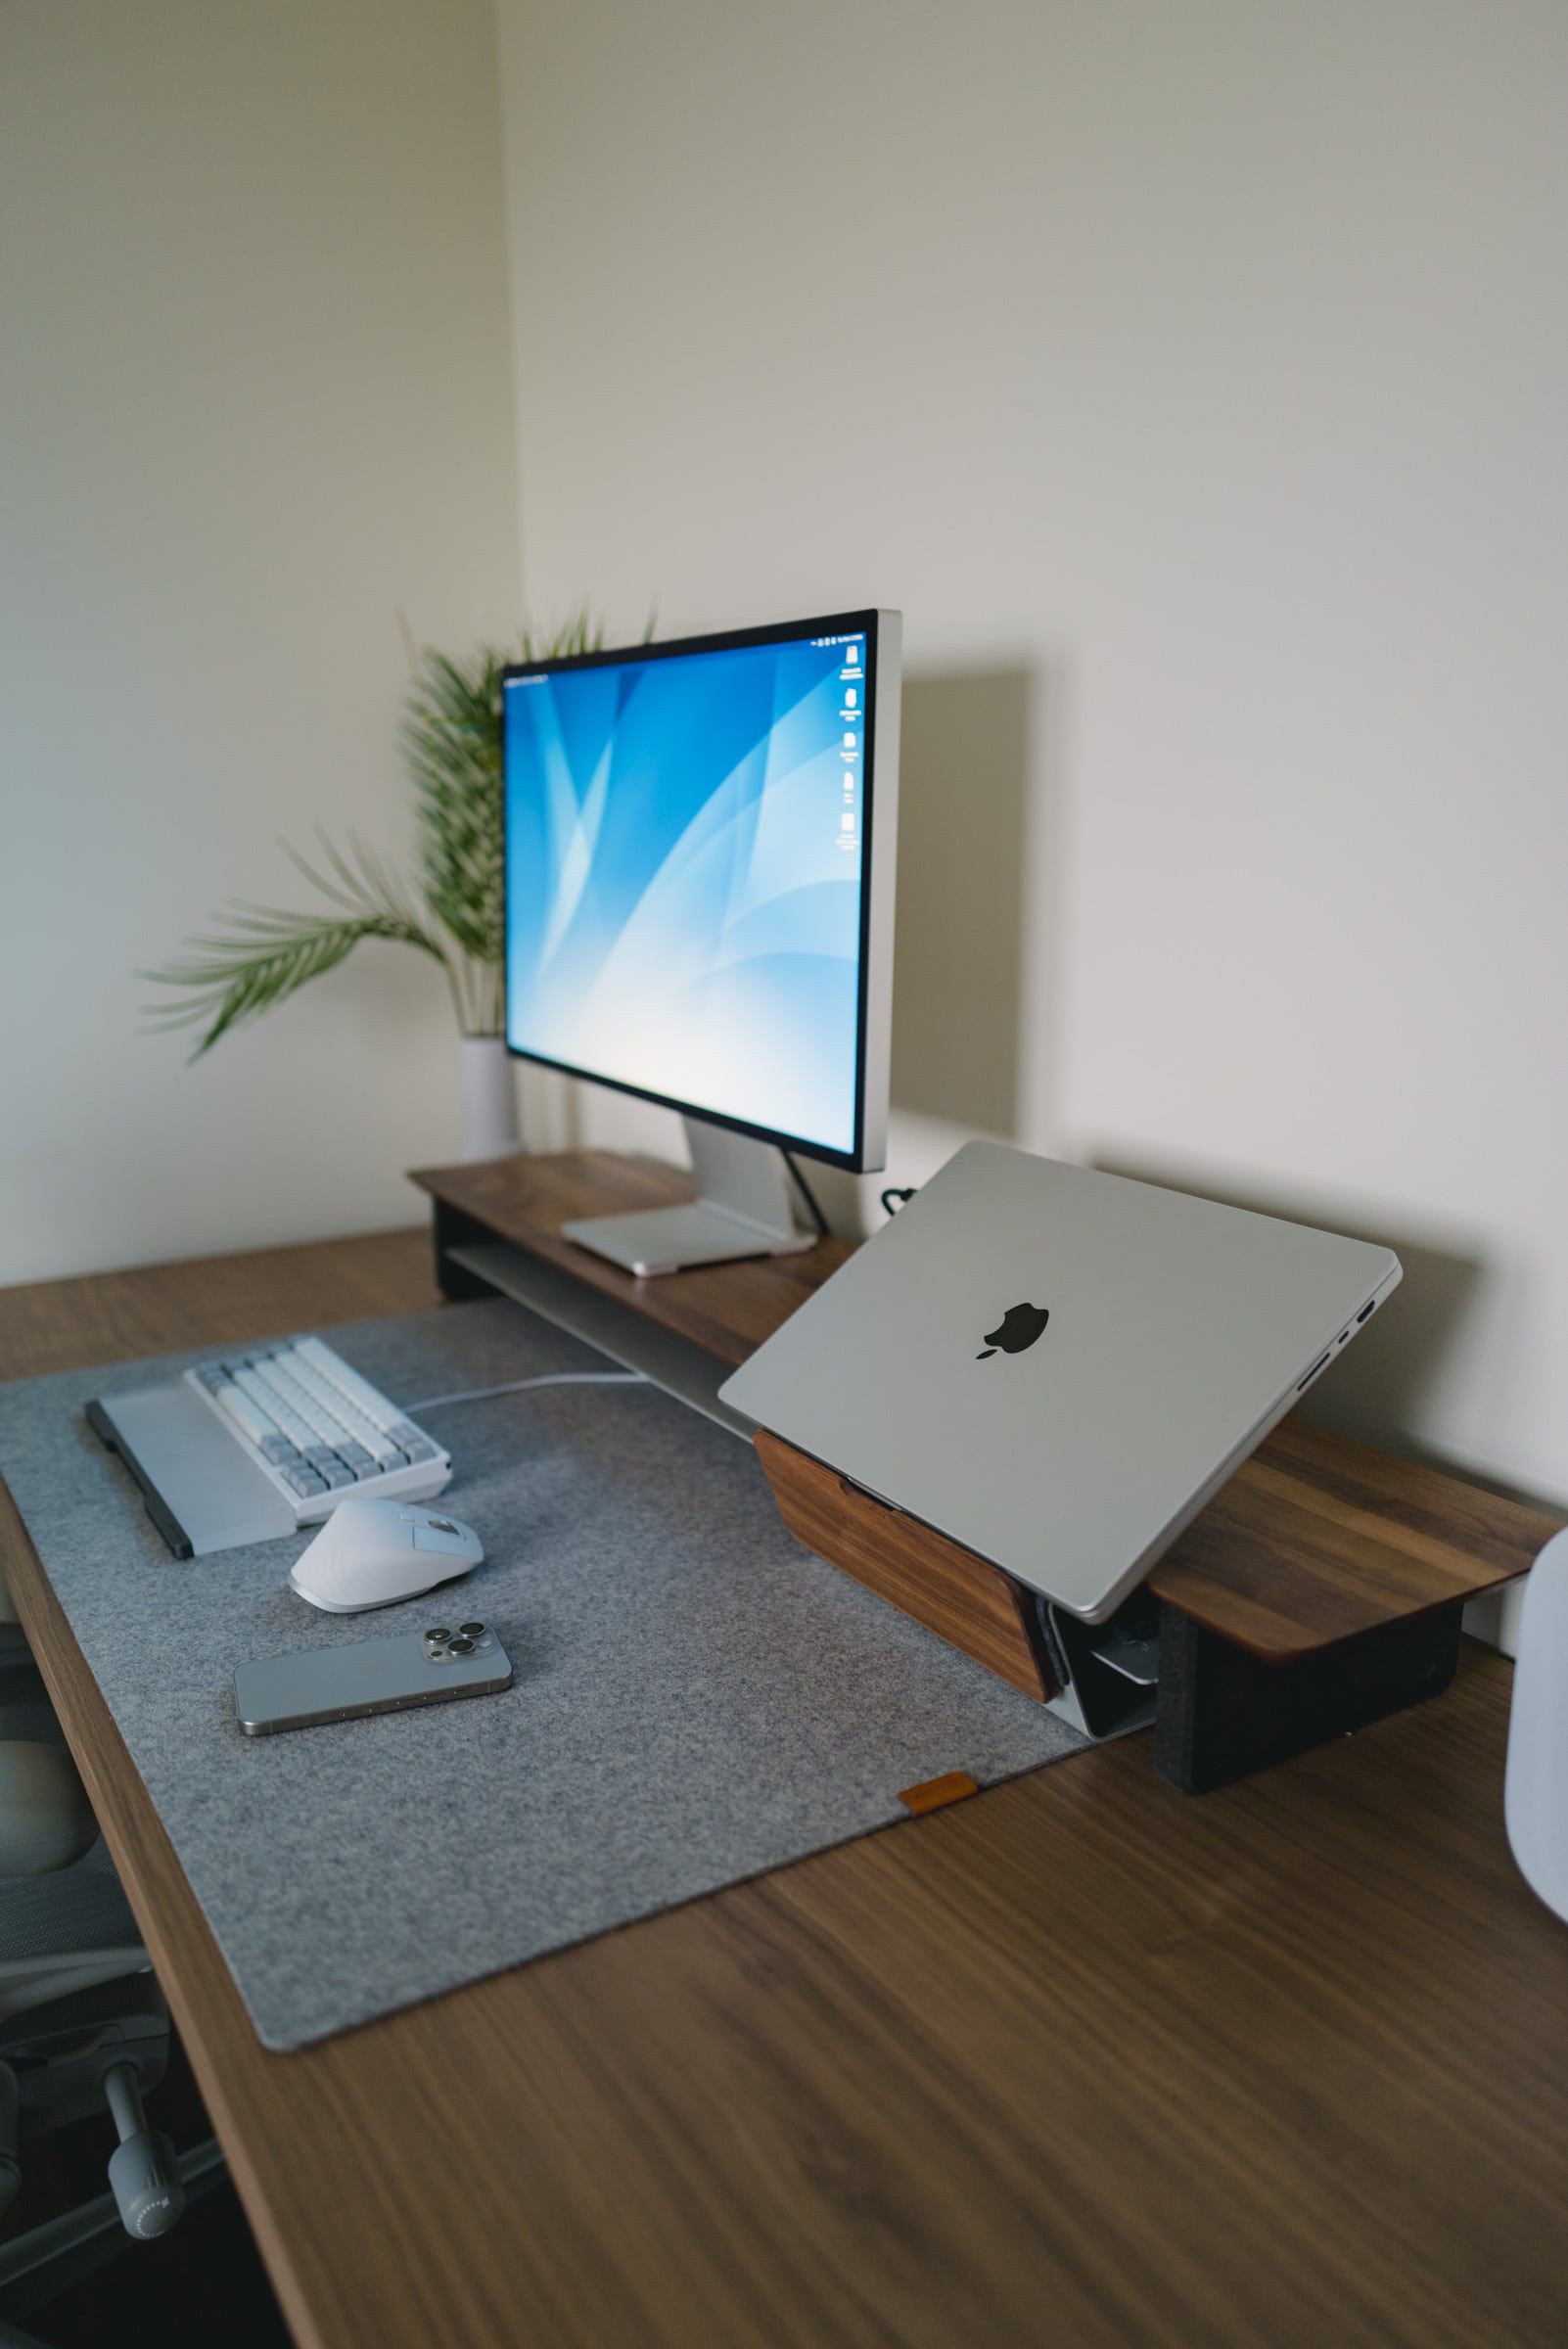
x=370 y=1676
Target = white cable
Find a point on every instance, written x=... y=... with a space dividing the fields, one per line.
x=516 y=1386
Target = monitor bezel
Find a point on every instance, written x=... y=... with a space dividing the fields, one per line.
x=866 y=623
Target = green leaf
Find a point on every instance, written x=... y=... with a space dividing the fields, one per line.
x=266 y=953
x=451 y=743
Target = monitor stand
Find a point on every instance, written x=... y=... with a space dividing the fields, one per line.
x=742 y=1208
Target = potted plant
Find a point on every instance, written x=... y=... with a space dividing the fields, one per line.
x=449 y=909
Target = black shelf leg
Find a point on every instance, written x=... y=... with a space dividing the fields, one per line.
x=450 y=1228
x=1222 y=1715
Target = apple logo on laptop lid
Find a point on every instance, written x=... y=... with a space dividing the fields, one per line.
x=1019 y=1326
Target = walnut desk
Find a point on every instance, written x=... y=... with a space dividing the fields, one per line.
x=1078 y=2060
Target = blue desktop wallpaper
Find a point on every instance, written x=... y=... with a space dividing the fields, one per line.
x=683 y=871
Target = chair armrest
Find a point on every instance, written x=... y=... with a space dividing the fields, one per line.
x=46 y=1820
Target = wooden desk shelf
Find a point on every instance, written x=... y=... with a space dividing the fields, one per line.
x=1320 y=1589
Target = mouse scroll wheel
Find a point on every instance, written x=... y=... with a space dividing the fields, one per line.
x=442 y=1525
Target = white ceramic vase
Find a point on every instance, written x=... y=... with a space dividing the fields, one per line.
x=489 y=1098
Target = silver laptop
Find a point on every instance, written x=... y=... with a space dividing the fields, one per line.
x=1057 y=1368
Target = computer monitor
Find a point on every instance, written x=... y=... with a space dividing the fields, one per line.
x=699 y=858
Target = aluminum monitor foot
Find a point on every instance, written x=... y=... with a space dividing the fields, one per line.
x=742 y=1208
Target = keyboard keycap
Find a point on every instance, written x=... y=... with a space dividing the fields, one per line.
x=320 y=1427
x=290 y=1405
x=246 y=1413
x=341 y=1419
x=355 y=1390
x=328 y=1466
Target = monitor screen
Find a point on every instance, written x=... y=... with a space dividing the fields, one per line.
x=687 y=851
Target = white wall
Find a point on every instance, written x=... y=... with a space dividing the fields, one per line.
x=257 y=397
x=1194 y=378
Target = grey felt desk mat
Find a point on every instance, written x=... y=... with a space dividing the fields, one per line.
x=696 y=1698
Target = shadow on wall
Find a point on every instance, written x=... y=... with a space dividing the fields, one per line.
x=1378 y=1387
x=957 y=979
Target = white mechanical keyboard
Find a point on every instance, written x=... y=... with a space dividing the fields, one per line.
x=319 y=1430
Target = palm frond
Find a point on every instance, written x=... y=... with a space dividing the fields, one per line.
x=451 y=744
x=266 y=953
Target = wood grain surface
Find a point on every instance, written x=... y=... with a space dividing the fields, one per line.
x=1076 y=2060
x=1317 y=1538
x=947 y=1588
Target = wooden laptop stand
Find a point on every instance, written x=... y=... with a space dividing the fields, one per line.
x=1320 y=1590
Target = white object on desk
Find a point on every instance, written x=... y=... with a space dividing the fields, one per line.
x=1536 y=1787
x=373 y=1554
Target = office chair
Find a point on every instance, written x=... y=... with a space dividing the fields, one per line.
x=82 y=2021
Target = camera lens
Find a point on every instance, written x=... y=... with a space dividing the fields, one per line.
x=460 y=1646
x=440 y=1634
x=471 y=1630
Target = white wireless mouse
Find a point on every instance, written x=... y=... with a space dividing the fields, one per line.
x=372 y=1553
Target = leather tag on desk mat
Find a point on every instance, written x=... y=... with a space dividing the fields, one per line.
x=935 y=1794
